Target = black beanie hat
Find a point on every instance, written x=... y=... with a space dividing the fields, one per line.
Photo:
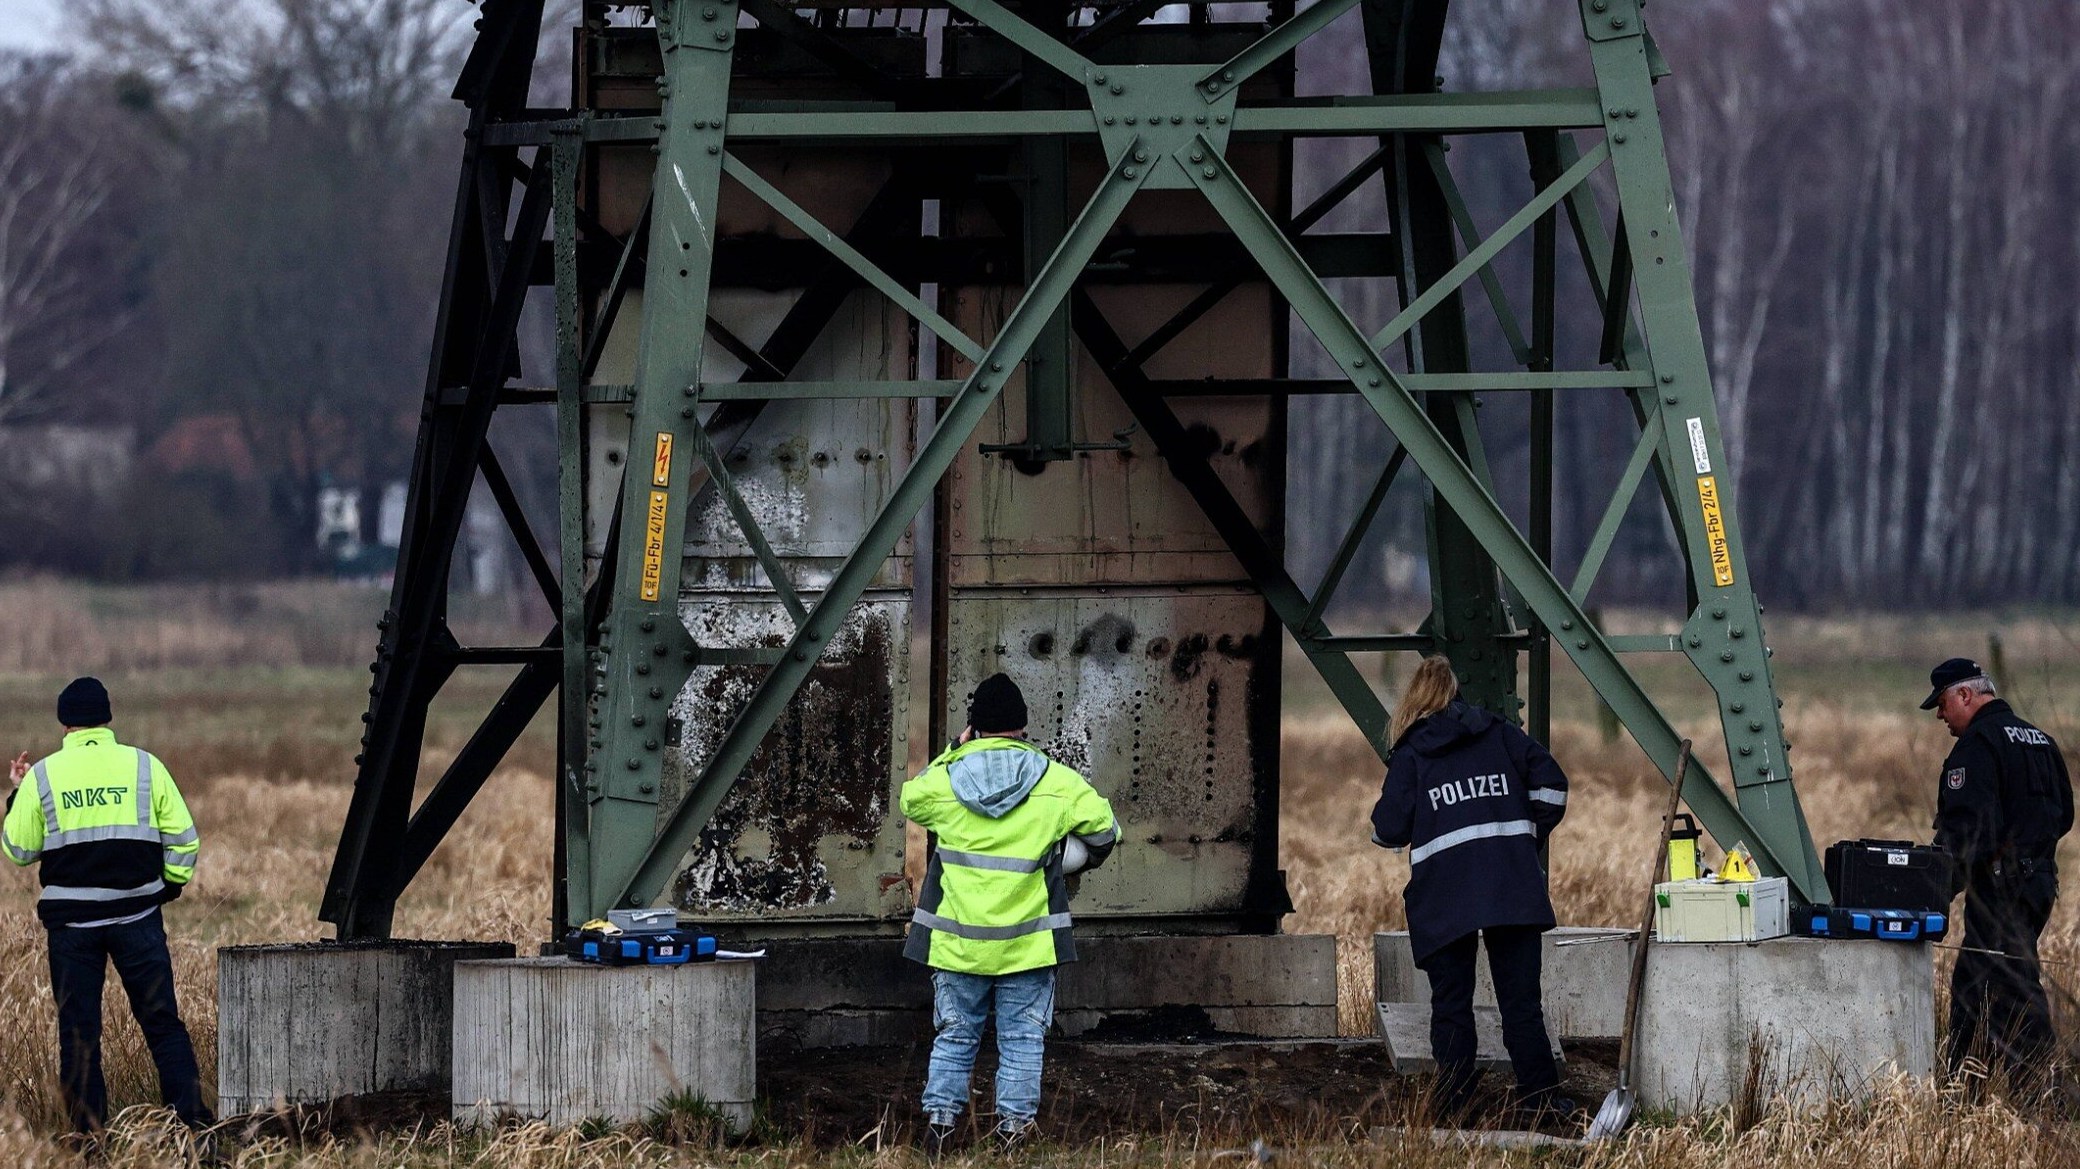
x=997 y=706
x=83 y=703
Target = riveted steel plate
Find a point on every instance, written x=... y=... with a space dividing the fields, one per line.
x=807 y=831
x=1149 y=694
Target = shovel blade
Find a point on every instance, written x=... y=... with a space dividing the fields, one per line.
x=1612 y=1118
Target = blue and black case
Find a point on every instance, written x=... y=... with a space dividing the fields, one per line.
x=650 y=948
x=1891 y=925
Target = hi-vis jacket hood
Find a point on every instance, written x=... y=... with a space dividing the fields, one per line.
x=994 y=900
x=992 y=781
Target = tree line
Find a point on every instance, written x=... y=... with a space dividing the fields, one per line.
x=1879 y=202
x=222 y=224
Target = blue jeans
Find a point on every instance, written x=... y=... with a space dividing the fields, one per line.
x=79 y=968
x=960 y=1006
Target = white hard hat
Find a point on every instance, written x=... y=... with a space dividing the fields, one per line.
x=1075 y=854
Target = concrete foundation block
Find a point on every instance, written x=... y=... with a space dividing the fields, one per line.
x=306 y=1023
x=837 y=992
x=1273 y=986
x=1583 y=978
x=1406 y=1028
x=564 y=1041
x=1817 y=1019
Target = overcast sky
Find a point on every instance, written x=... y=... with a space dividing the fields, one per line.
x=28 y=24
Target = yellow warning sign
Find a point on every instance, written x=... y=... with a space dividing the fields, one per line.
x=661 y=466
x=653 y=546
x=1715 y=531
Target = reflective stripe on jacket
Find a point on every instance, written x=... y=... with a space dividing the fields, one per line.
x=994 y=900
x=107 y=824
x=1472 y=797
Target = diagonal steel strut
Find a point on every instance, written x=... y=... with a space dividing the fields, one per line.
x=957 y=422
x=1457 y=485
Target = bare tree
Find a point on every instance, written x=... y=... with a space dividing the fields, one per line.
x=55 y=181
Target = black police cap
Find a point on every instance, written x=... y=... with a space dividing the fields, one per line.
x=1949 y=674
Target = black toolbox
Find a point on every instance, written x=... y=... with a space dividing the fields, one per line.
x=1889 y=874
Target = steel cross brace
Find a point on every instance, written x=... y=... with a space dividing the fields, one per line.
x=1262 y=562
x=957 y=423
x=1458 y=487
x=644 y=649
x=1723 y=636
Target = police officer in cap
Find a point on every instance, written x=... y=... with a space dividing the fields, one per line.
x=2002 y=804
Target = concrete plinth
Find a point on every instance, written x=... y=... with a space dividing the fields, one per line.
x=564 y=1041
x=1582 y=984
x=306 y=1023
x=837 y=992
x=1817 y=1019
x=1271 y=986
x=1406 y=1028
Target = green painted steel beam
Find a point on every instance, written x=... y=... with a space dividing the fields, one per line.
x=1724 y=636
x=1430 y=113
x=1237 y=70
x=1347 y=550
x=850 y=256
x=1643 y=452
x=655 y=863
x=793 y=391
x=1479 y=258
x=1469 y=234
x=645 y=651
x=1030 y=39
x=573 y=840
x=747 y=523
x=1498 y=112
x=1456 y=484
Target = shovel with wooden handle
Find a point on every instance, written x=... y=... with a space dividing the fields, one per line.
x=1616 y=1112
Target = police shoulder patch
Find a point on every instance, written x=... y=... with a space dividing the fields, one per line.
x=1954 y=778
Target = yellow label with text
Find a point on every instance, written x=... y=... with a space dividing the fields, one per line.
x=661 y=466
x=1715 y=531
x=653 y=546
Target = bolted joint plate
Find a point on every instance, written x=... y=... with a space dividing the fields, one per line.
x=1157 y=112
x=697 y=24
x=643 y=675
x=1611 y=20
x=1723 y=639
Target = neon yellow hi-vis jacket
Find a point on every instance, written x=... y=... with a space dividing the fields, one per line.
x=994 y=900
x=109 y=826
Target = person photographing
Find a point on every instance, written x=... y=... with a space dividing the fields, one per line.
x=114 y=840
x=992 y=918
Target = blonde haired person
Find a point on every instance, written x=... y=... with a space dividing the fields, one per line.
x=1473 y=798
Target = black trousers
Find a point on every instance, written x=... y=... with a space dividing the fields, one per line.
x=1998 y=1012
x=79 y=968
x=1513 y=961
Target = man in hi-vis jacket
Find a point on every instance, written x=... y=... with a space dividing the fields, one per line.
x=114 y=841
x=1007 y=825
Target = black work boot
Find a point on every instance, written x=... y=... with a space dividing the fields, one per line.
x=1013 y=1135
x=938 y=1136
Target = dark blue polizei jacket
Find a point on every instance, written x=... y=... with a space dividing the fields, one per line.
x=1472 y=798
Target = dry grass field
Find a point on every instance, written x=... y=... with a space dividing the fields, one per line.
x=253 y=698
